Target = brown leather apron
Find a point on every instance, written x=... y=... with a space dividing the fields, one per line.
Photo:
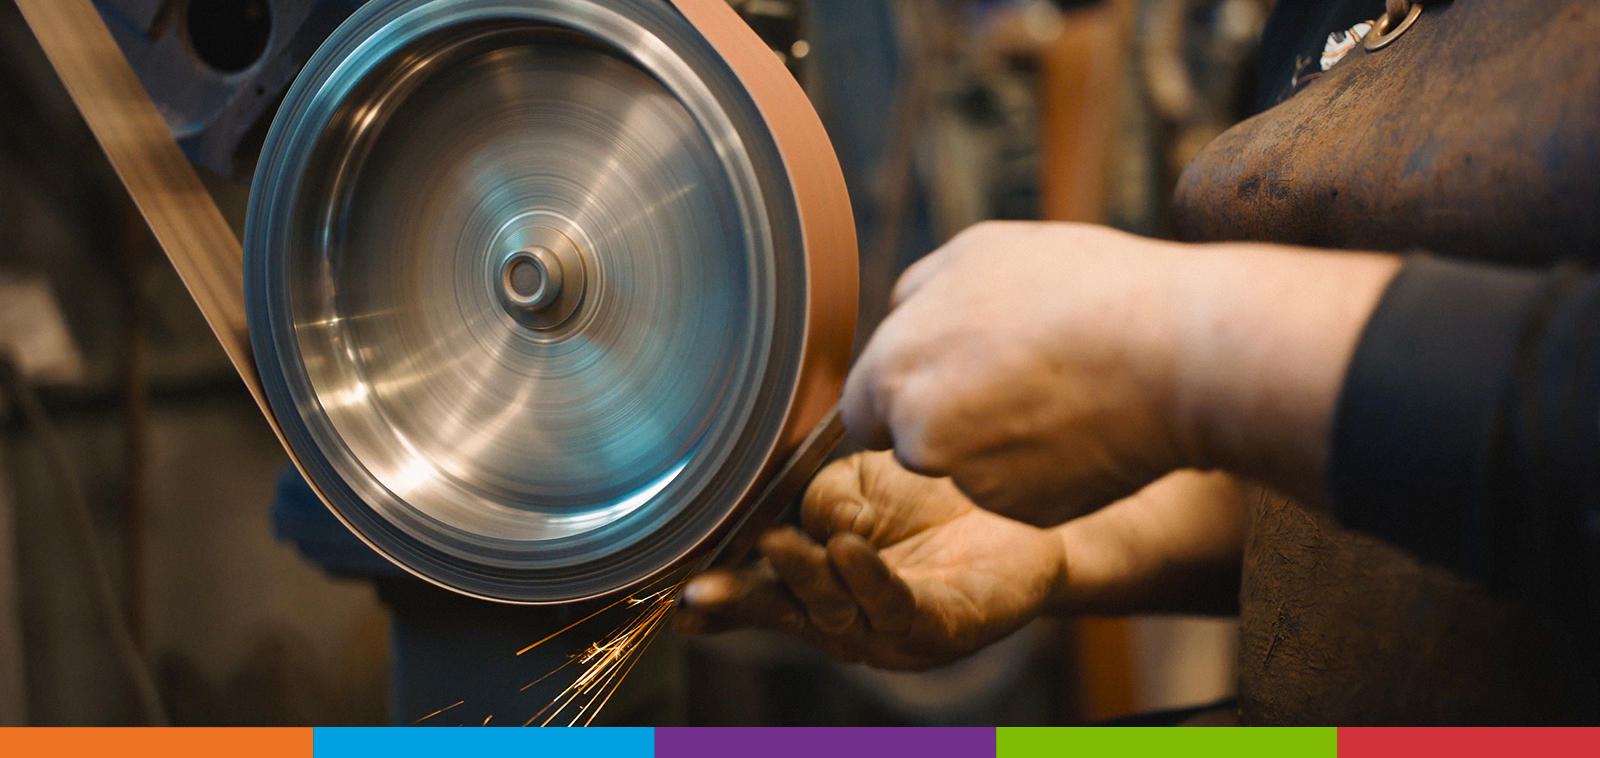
x=1476 y=134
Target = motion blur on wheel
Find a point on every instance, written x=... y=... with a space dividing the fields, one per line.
x=798 y=362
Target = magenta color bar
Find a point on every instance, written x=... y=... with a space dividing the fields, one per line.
x=848 y=742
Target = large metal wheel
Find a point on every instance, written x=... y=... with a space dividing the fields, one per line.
x=530 y=290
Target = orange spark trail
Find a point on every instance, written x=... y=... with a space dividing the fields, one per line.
x=564 y=630
x=435 y=713
x=606 y=662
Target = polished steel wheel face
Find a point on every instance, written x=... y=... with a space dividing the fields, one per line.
x=522 y=289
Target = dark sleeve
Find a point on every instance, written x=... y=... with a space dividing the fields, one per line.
x=1468 y=430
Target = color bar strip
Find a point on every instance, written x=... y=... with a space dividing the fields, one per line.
x=1378 y=742
x=788 y=742
x=1198 y=742
x=784 y=742
x=500 y=743
x=144 y=742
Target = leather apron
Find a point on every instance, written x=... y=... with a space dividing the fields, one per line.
x=1474 y=135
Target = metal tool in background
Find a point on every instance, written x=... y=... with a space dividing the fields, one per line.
x=437 y=167
x=218 y=69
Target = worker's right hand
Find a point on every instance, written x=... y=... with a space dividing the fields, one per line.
x=901 y=571
x=1050 y=369
x=1031 y=363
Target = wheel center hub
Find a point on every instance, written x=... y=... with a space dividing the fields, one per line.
x=542 y=283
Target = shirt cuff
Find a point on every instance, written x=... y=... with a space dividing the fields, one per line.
x=1419 y=417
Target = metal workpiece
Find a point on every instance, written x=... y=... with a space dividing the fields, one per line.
x=535 y=292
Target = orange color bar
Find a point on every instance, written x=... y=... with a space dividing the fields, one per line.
x=143 y=742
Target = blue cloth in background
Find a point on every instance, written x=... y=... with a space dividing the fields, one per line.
x=298 y=516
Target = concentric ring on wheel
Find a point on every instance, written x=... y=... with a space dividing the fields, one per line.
x=427 y=144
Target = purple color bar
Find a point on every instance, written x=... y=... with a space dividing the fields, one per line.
x=865 y=742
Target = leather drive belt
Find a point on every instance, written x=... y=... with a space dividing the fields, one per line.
x=545 y=298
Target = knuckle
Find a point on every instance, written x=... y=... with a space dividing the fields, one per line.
x=771 y=543
x=917 y=453
x=979 y=240
x=862 y=403
x=835 y=623
x=838 y=519
x=835 y=486
x=903 y=288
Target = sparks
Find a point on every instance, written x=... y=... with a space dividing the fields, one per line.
x=606 y=662
x=441 y=710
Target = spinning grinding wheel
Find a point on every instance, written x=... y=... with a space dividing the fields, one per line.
x=529 y=288
x=541 y=294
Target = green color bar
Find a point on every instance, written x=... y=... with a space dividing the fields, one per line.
x=1197 y=742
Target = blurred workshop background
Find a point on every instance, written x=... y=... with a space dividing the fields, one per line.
x=150 y=547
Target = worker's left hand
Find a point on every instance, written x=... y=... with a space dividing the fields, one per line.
x=894 y=570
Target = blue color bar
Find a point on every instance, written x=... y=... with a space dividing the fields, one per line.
x=498 y=743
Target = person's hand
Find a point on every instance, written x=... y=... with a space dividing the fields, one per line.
x=1016 y=361
x=1051 y=369
x=902 y=571
x=895 y=570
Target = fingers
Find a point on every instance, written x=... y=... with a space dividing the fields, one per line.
x=884 y=597
x=834 y=588
x=871 y=387
x=902 y=383
x=894 y=383
x=835 y=502
x=751 y=596
x=916 y=275
x=867 y=398
x=864 y=399
x=803 y=566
